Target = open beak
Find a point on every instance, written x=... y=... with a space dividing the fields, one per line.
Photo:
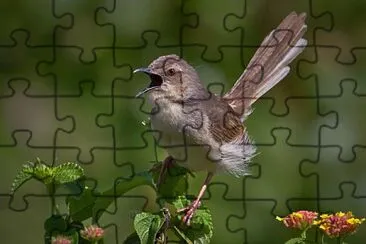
x=156 y=80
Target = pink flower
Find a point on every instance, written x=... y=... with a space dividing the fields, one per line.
x=61 y=240
x=92 y=233
x=299 y=220
x=339 y=224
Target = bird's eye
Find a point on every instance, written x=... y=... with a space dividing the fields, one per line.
x=170 y=72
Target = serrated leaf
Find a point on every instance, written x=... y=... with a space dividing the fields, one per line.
x=147 y=226
x=67 y=172
x=175 y=182
x=121 y=187
x=25 y=174
x=43 y=172
x=201 y=226
x=81 y=207
x=298 y=240
x=181 y=202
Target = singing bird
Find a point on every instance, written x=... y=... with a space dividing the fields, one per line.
x=204 y=132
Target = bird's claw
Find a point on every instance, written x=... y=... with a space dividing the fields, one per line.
x=190 y=210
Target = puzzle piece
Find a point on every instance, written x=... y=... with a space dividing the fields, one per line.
x=267 y=178
x=83 y=28
x=221 y=73
x=124 y=210
x=129 y=21
x=19 y=61
x=128 y=145
x=217 y=200
x=348 y=104
x=295 y=118
x=257 y=215
x=255 y=13
x=103 y=71
x=342 y=27
x=141 y=157
x=346 y=171
x=34 y=215
x=34 y=113
x=328 y=71
x=219 y=35
x=25 y=16
x=98 y=138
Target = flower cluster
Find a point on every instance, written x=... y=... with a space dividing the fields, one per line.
x=299 y=220
x=338 y=225
x=92 y=233
x=61 y=240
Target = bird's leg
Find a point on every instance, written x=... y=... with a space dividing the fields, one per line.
x=166 y=163
x=196 y=203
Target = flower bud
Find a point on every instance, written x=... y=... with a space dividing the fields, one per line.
x=92 y=233
x=61 y=240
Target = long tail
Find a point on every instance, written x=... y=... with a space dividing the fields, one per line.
x=269 y=64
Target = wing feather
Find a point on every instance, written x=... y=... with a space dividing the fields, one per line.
x=269 y=64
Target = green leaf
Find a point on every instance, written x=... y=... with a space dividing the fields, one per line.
x=67 y=172
x=132 y=239
x=43 y=173
x=201 y=226
x=175 y=182
x=181 y=202
x=120 y=187
x=81 y=207
x=55 y=224
x=298 y=240
x=147 y=226
x=25 y=174
x=180 y=234
x=75 y=238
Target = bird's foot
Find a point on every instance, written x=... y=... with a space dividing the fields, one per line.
x=190 y=210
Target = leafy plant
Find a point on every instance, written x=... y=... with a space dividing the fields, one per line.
x=89 y=204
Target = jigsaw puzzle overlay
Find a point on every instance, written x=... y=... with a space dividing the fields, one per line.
x=67 y=93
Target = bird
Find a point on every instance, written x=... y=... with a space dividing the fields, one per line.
x=202 y=131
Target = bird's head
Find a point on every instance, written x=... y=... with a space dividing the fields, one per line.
x=172 y=78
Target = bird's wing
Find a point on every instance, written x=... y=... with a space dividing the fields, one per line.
x=225 y=125
x=269 y=64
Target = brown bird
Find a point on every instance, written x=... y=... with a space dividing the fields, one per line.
x=204 y=132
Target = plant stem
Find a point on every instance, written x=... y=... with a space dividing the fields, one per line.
x=303 y=234
x=51 y=193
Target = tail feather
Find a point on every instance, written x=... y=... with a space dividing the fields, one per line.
x=269 y=64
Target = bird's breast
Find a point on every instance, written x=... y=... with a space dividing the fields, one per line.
x=179 y=132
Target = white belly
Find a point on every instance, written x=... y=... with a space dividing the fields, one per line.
x=179 y=145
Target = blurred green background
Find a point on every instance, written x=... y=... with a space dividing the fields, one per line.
x=67 y=94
